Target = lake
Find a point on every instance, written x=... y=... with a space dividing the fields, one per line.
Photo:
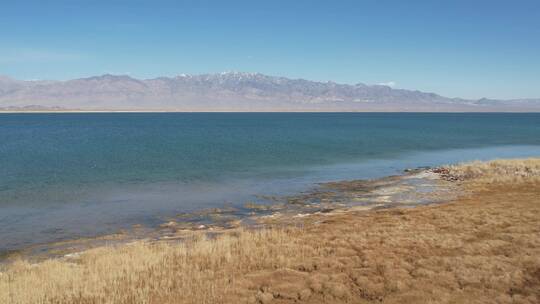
x=69 y=175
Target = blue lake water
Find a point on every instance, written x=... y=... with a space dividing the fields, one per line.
x=70 y=175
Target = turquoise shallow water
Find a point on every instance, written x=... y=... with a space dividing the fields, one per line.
x=70 y=175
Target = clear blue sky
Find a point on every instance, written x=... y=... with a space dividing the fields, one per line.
x=456 y=48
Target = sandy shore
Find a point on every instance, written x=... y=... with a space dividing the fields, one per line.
x=479 y=244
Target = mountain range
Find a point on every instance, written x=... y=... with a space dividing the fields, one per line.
x=231 y=91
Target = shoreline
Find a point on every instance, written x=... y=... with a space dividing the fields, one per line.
x=481 y=245
x=227 y=213
x=326 y=197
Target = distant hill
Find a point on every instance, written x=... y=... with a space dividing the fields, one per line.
x=231 y=92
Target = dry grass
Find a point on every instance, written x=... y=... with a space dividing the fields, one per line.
x=497 y=170
x=197 y=271
x=482 y=248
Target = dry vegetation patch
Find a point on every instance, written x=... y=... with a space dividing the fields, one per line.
x=501 y=170
x=482 y=248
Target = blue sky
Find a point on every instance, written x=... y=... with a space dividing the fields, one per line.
x=469 y=48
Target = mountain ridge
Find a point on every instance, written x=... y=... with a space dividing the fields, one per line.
x=232 y=91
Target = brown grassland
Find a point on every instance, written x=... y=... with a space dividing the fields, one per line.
x=483 y=247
